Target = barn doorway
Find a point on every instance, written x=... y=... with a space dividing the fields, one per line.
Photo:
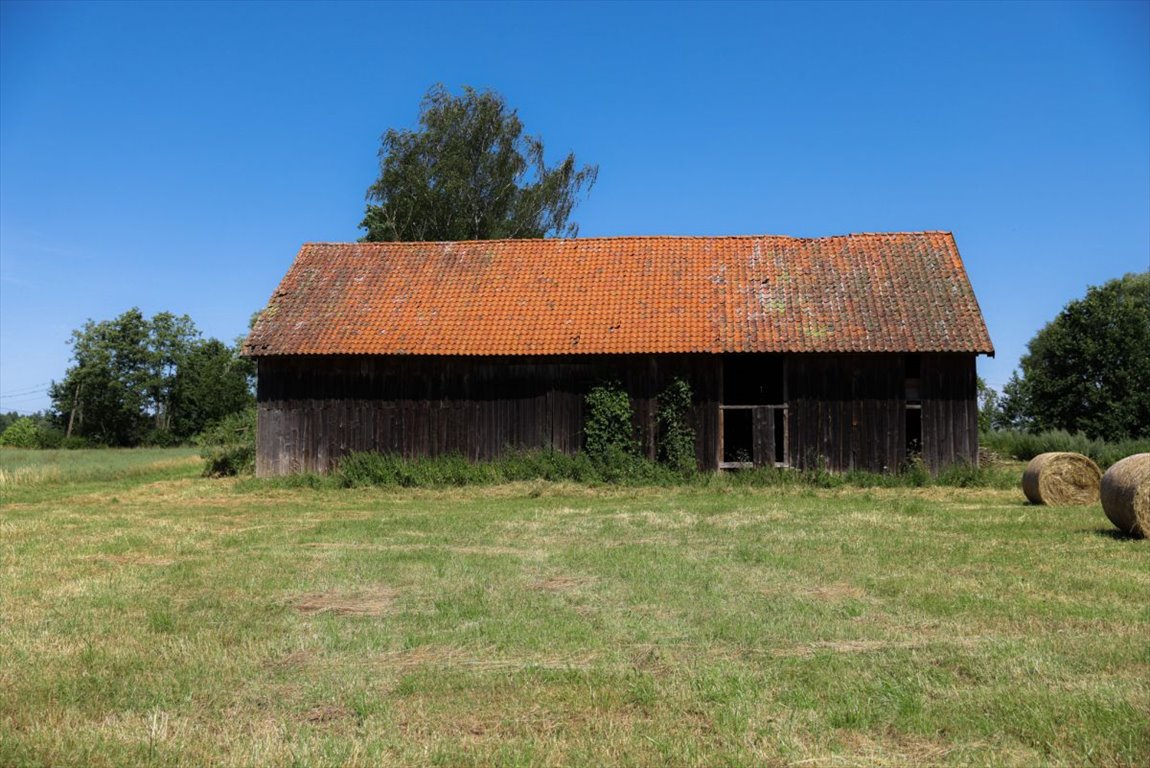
x=753 y=412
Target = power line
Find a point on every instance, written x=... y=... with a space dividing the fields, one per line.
x=22 y=398
x=41 y=387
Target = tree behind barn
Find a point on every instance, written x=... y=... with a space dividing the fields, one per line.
x=1088 y=370
x=469 y=173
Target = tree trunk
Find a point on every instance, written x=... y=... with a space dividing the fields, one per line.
x=72 y=415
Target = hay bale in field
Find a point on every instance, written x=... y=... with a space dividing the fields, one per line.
x=1126 y=494
x=1061 y=479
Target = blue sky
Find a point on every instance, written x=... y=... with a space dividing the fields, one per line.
x=175 y=156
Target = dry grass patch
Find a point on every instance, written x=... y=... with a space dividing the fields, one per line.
x=134 y=559
x=328 y=713
x=564 y=583
x=375 y=601
x=834 y=592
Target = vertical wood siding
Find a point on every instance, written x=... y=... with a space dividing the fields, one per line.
x=848 y=412
x=844 y=411
x=314 y=410
x=949 y=411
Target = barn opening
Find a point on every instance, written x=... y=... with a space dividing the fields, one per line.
x=912 y=367
x=738 y=437
x=753 y=380
x=753 y=411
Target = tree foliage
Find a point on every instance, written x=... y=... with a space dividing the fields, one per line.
x=212 y=383
x=987 y=405
x=1088 y=370
x=136 y=380
x=470 y=173
x=7 y=419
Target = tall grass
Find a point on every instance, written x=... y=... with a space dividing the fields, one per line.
x=32 y=467
x=1024 y=446
x=370 y=469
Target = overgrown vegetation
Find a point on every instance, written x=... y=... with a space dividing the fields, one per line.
x=22 y=433
x=1021 y=445
x=392 y=471
x=228 y=447
x=157 y=618
x=39 y=431
x=608 y=431
x=676 y=434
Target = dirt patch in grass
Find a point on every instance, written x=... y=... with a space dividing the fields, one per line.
x=328 y=713
x=377 y=601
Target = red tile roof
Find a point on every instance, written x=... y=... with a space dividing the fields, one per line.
x=901 y=292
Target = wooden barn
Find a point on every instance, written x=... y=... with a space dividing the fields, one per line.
x=852 y=352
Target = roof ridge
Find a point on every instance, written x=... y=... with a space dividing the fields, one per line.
x=633 y=237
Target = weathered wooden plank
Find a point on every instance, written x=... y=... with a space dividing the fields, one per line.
x=850 y=410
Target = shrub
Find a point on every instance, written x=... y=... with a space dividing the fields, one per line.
x=389 y=469
x=228 y=447
x=963 y=475
x=161 y=438
x=676 y=435
x=22 y=433
x=1024 y=446
x=51 y=438
x=608 y=429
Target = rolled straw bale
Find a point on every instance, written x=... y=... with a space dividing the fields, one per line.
x=1126 y=494
x=1061 y=479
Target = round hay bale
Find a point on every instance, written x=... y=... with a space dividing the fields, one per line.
x=1126 y=494
x=1061 y=479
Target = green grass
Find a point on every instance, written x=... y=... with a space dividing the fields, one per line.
x=22 y=467
x=152 y=617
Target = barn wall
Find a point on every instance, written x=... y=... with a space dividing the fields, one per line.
x=949 y=411
x=844 y=412
x=849 y=412
x=314 y=410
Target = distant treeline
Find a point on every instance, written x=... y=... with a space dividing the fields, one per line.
x=138 y=381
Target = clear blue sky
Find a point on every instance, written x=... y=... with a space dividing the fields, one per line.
x=175 y=156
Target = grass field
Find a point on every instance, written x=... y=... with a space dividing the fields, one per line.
x=152 y=617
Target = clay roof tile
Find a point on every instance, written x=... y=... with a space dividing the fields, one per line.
x=855 y=293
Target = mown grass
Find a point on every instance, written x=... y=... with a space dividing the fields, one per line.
x=159 y=618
